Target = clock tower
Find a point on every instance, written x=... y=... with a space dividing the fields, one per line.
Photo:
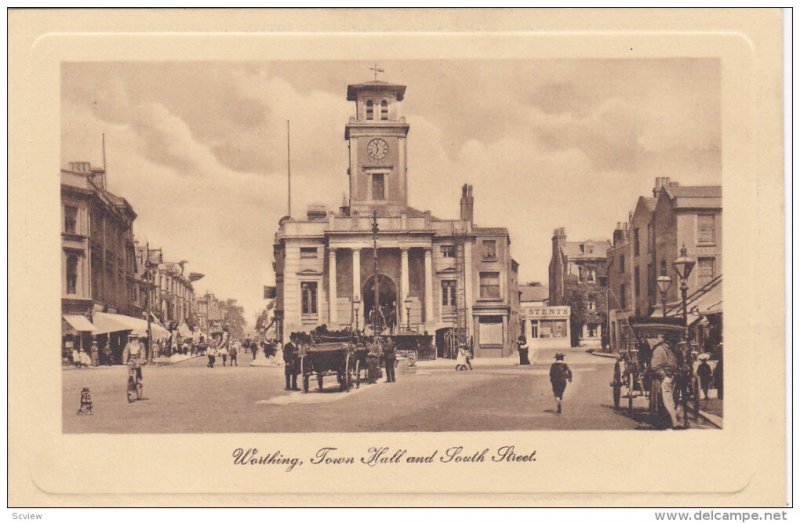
x=376 y=138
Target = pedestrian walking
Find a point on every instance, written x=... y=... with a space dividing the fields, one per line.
x=704 y=374
x=107 y=355
x=291 y=363
x=95 y=352
x=212 y=354
x=560 y=375
x=522 y=348
x=390 y=359
x=224 y=344
x=233 y=353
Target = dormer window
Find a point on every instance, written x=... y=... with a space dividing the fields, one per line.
x=384 y=110
x=369 y=110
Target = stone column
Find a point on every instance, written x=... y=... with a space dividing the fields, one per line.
x=332 y=304
x=428 y=286
x=357 y=284
x=404 y=287
x=468 y=278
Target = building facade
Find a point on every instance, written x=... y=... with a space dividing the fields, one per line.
x=97 y=252
x=543 y=326
x=578 y=279
x=432 y=274
x=646 y=246
x=172 y=297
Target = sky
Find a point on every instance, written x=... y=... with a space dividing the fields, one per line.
x=199 y=148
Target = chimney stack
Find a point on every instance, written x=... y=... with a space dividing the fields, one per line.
x=661 y=182
x=620 y=234
x=467 y=203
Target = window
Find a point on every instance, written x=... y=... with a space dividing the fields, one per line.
x=490 y=330
x=651 y=237
x=621 y=263
x=623 y=291
x=369 y=110
x=591 y=305
x=448 y=251
x=636 y=242
x=592 y=330
x=534 y=329
x=308 y=252
x=70 y=219
x=705 y=228
x=589 y=248
x=705 y=268
x=72 y=274
x=489 y=249
x=651 y=280
x=636 y=283
x=308 y=290
x=378 y=191
x=384 y=110
x=490 y=285
x=591 y=275
x=449 y=293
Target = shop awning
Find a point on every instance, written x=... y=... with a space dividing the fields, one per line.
x=184 y=331
x=79 y=323
x=705 y=301
x=106 y=323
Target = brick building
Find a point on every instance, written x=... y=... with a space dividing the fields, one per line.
x=645 y=248
x=434 y=274
x=578 y=279
x=97 y=252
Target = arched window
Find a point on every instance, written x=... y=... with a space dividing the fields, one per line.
x=72 y=274
x=369 y=110
x=384 y=110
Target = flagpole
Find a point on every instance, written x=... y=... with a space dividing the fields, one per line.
x=289 y=165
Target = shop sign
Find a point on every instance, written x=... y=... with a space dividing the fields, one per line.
x=544 y=312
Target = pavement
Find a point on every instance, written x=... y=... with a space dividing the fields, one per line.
x=499 y=395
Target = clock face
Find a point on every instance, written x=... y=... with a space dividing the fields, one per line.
x=377 y=149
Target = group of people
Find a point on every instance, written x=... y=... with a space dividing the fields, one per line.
x=671 y=364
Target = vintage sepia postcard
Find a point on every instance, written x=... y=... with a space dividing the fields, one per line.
x=402 y=257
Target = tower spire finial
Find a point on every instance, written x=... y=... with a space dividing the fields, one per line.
x=375 y=70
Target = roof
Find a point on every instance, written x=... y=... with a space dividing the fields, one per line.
x=533 y=293
x=354 y=89
x=704 y=196
x=586 y=249
x=489 y=231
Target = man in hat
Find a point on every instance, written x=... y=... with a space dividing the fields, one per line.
x=132 y=355
x=291 y=363
x=560 y=374
x=665 y=365
x=390 y=359
x=704 y=374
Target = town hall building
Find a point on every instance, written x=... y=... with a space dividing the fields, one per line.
x=433 y=275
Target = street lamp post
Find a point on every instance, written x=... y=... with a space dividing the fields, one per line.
x=683 y=266
x=356 y=308
x=664 y=282
x=375 y=282
x=408 y=303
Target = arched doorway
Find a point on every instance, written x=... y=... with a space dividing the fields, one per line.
x=387 y=301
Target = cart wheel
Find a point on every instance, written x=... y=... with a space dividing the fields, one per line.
x=358 y=373
x=344 y=377
x=630 y=393
x=305 y=382
x=655 y=396
x=139 y=388
x=617 y=385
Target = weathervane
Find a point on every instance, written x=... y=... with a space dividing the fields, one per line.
x=375 y=70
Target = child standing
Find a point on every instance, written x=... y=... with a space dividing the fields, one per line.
x=705 y=374
x=560 y=374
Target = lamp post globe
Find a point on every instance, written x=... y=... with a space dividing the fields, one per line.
x=663 y=283
x=683 y=265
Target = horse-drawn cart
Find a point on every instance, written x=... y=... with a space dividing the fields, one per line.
x=340 y=359
x=633 y=376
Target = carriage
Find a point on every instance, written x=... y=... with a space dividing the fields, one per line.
x=341 y=359
x=633 y=377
